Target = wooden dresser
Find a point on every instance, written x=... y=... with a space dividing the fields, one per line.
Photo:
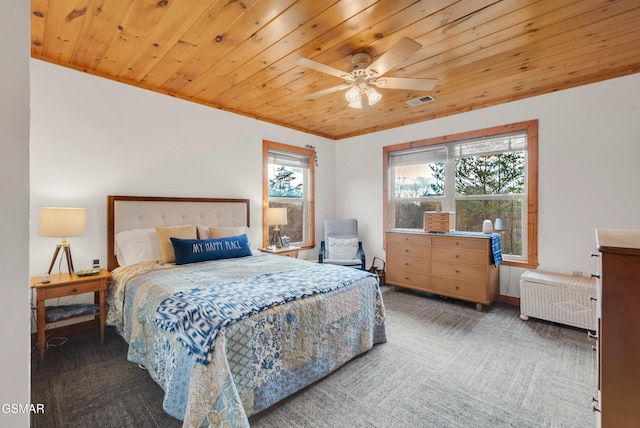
x=618 y=324
x=444 y=264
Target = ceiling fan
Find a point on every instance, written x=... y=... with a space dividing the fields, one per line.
x=365 y=76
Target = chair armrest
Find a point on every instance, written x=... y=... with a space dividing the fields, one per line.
x=361 y=256
x=321 y=252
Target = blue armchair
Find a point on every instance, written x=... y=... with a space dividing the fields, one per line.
x=341 y=245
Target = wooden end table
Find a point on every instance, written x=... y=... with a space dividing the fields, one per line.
x=64 y=285
x=290 y=251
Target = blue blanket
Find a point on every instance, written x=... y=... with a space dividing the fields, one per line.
x=196 y=316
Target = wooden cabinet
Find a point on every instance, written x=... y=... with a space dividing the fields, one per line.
x=445 y=264
x=618 y=325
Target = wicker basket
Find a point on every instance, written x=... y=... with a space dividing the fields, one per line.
x=378 y=271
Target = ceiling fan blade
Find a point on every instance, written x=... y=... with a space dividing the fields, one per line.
x=324 y=92
x=322 y=68
x=398 y=53
x=406 y=83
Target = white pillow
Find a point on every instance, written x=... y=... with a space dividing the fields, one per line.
x=137 y=246
x=343 y=248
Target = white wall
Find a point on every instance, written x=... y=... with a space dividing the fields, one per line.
x=589 y=149
x=92 y=137
x=14 y=227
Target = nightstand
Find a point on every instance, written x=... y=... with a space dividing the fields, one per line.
x=64 y=285
x=290 y=251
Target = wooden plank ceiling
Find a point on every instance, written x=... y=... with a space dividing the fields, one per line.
x=239 y=55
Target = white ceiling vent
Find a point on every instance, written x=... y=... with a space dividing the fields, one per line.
x=421 y=100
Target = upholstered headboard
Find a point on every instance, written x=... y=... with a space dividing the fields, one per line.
x=137 y=212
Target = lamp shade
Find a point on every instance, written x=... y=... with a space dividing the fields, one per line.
x=373 y=96
x=352 y=95
x=276 y=216
x=62 y=222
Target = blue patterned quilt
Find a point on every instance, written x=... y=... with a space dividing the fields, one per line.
x=196 y=316
x=228 y=338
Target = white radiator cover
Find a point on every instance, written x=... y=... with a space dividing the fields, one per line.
x=560 y=298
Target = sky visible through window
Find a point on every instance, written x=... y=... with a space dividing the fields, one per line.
x=414 y=181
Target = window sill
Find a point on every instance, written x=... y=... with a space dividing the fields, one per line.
x=519 y=264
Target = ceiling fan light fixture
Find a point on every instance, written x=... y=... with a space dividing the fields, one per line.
x=352 y=95
x=373 y=96
x=365 y=75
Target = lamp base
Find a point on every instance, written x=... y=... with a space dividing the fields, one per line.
x=276 y=238
x=66 y=249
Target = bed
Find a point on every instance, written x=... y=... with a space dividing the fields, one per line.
x=230 y=335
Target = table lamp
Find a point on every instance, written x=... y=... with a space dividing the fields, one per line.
x=276 y=217
x=62 y=223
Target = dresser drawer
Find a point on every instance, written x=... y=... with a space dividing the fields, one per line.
x=467 y=290
x=459 y=255
x=459 y=271
x=397 y=250
x=421 y=239
x=455 y=242
x=408 y=278
x=412 y=264
x=70 y=289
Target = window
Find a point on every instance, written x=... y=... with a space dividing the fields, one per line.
x=288 y=181
x=487 y=174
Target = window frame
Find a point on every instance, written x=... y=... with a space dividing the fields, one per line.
x=309 y=193
x=531 y=127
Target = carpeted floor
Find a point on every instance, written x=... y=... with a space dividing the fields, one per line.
x=444 y=365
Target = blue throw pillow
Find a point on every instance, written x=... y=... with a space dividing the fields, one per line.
x=200 y=250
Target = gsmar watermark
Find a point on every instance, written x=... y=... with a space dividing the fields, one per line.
x=15 y=408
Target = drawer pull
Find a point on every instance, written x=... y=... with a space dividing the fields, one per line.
x=457 y=271
x=595 y=254
x=592 y=336
x=595 y=275
x=592 y=298
x=457 y=256
x=74 y=290
x=457 y=243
